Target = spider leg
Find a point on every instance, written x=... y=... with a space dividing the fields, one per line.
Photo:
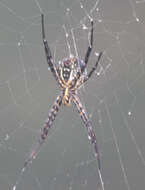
x=86 y=121
x=48 y=124
x=94 y=68
x=48 y=51
x=89 y=48
x=88 y=75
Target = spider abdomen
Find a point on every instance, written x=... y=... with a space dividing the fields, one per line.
x=66 y=73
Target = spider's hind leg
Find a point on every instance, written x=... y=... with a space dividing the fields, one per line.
x=89 y=48
x=93 y=68
x=48 y=51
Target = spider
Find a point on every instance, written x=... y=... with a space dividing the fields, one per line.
x=70 y=75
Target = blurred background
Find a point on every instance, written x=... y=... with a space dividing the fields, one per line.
x=114 y=97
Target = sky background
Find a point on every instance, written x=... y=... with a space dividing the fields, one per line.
x=114 y=98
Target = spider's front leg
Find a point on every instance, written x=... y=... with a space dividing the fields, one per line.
x=89 y=127
x=48 y=51
x=51 y=117
x=91 y=133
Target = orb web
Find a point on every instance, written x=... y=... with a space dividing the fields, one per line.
x=113 y=98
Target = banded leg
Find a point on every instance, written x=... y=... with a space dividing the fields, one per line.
x=48 y=124
x=48 y=51
x=88 y=125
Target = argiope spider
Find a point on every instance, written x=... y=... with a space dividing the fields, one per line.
x=70 y=75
